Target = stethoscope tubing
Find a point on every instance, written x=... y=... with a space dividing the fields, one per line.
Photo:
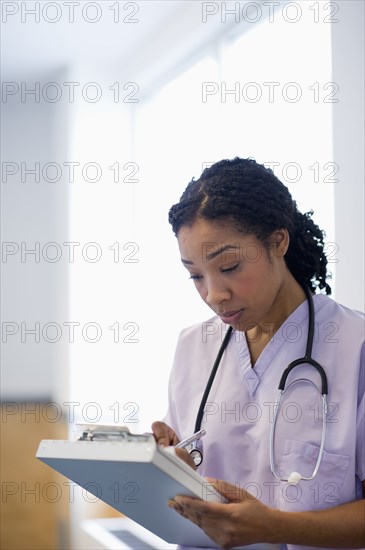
x=272 y=439
x=217 y=361
x=307 y=359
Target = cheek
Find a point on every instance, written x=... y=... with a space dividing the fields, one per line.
x=259 y=270
x=251 y=278
x=254 y=281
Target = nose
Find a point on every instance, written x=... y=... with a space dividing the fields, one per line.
x=216 y=293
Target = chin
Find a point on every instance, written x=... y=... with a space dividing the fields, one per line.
x=240 y=327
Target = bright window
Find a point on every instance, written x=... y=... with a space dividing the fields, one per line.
x=267 y=95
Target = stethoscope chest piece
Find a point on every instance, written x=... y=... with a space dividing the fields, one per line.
x=197 y=456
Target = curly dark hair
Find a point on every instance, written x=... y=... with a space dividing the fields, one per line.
x=255 y=201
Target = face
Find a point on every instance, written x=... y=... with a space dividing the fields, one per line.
x=239 y=278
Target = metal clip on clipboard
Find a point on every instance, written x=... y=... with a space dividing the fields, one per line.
x=100 y=432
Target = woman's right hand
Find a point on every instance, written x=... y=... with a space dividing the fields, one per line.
x=166 y=437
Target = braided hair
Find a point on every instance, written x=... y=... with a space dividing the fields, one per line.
x=255 y=201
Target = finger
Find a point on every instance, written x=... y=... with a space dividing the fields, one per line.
x=232 y=493
x=209 y=521
x=161 y=433
x=185 y=456
x=195 y=517
x=164 y=435
x=211 y=517
x=194 y=506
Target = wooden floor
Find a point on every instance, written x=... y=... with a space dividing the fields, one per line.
x=34 y=501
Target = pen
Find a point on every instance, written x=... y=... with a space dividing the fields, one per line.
x=191 y=439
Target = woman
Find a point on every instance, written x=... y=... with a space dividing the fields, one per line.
x=252 y=255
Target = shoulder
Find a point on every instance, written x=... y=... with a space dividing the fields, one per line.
x=346 y=319
x=341 y=337
x=203 y=340
x=196 y=351
x=211 y=330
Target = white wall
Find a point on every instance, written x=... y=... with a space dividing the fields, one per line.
x=34 y=289
x=349 y=146
x=37 y=292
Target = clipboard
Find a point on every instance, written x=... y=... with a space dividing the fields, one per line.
x=136 y=477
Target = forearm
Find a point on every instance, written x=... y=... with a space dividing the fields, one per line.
x=339 y=527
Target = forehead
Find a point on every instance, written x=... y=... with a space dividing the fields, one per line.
x=206 y=231
x=203 y=238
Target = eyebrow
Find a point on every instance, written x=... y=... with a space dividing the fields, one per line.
x=214 y=254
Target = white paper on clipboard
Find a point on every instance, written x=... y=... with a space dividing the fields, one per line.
x=137 y=478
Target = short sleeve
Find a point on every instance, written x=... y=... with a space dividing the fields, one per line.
x=360 y=424
x=170 y=417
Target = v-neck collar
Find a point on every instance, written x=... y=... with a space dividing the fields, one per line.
x=252 y=376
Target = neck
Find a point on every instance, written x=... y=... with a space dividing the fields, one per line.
x=288 y=298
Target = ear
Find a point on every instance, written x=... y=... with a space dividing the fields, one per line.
x=279 y=243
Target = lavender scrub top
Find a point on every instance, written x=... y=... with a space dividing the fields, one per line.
x=239 y=410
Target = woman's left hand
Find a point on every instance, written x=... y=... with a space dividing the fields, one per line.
x=242 y=520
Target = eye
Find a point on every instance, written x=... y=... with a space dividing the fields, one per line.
x=230 y=268
x=195 y=277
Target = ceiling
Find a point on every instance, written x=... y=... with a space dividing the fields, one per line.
x=150 y=36
x=30 y=46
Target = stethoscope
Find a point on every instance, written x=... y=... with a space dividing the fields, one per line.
x=294 y=477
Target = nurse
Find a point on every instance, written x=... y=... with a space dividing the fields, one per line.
x=250 y=254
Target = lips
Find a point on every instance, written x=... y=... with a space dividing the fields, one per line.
x=231 y=317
